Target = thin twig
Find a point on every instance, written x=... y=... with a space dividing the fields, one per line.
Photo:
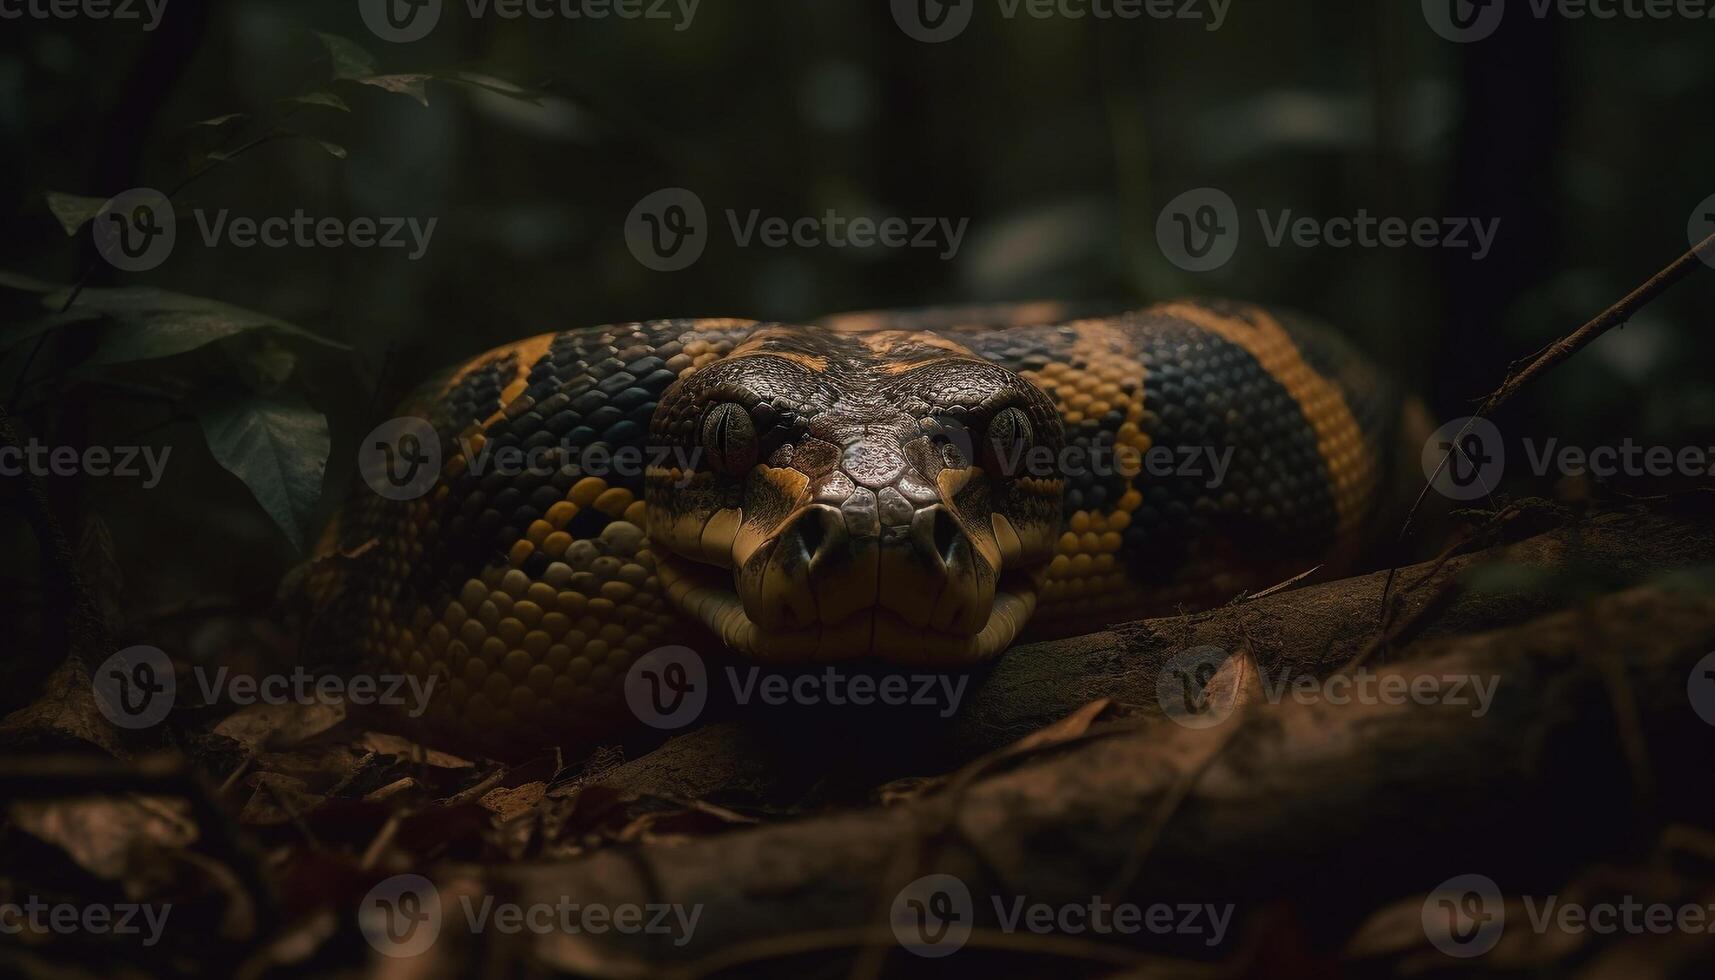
x=1557 y=352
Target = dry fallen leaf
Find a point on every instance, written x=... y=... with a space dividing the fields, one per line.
x=275 y=726
x=398 y=745
x=1067 y=728
x=507 y=803
x=101 y=834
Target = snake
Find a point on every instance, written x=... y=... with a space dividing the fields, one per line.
x=922 y=488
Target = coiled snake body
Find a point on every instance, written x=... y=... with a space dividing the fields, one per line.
x=915 y=488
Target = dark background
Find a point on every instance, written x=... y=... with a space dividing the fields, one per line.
x=1060 y=140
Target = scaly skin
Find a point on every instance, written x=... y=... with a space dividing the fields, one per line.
x=905 y=487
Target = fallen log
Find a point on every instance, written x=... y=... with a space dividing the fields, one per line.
x=775 y=759
x=1291 y=804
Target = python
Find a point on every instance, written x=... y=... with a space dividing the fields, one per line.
x=845 y=502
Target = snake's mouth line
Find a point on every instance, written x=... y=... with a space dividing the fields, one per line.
x=706 y=593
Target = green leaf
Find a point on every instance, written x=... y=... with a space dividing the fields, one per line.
x=263 y=362
x=279 y=447
x=416 y=86
x=490 y=83
x=349 y=60
x=219 y=121
x=332 y=149
x=327 y=99
x=23 y=283
x=152 y=323
x=73 y=211
x=13 y=334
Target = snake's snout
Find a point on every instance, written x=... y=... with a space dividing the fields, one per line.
x=829 y=565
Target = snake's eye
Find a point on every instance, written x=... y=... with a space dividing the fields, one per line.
x=729 y=437
x=1009 y=435
x=951 y=439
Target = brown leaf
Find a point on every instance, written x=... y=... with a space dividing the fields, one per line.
x=278 y=800
x=398 y=745
x=102 y=833
x=506 y=803
x=98 y=566
x=1067 y=728
x=268 y=726
x=1236 y=684
x=65 y=711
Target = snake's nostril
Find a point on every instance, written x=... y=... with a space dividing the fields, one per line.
x=815 y=532
x=945 y=535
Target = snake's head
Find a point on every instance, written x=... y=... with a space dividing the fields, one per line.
x=852 y=495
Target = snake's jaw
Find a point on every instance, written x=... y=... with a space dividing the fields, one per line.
x=863 y=525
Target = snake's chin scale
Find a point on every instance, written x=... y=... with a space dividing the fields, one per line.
x=705 y=593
